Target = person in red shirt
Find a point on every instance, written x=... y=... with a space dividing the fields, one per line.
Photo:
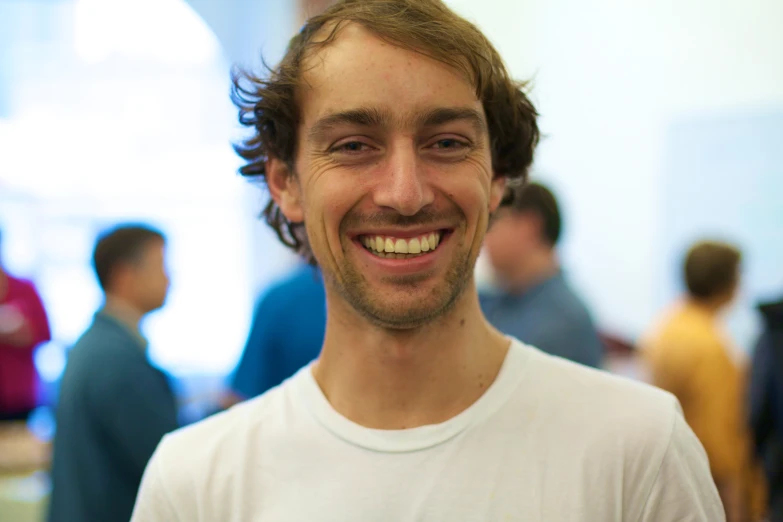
x=23 y=326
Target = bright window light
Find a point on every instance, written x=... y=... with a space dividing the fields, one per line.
x=120 y=139
x=161 y=30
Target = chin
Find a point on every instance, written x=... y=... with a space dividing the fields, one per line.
x=402 y=301
x=155 y=307
x=413 y=309
x=409 y=319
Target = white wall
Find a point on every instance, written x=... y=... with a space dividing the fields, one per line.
x=249 y=30
x=610 y=77
x=132 y=129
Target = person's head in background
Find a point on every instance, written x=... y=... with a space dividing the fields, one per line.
x=130 y=266
x=521 y=241
x=712 y=274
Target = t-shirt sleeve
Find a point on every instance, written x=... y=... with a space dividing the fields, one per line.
x=683 y=490
x=706 y=382
x=153 y=503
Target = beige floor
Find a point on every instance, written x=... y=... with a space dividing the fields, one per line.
x=23 y=489
x=23 y=497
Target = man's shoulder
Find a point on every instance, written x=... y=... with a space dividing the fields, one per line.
x=224 y=441
x=685 y=338
x=20 y=288
x=195 y=469
x=598 y=404
x=622 y=431
x=105 y=360
x=622 y=427
x=567 y=378
x=216 y=432
x=99 y=343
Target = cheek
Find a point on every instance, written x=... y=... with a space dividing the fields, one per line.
x=469 y=191
x=501 y=254
x=326 y=204
x=155 y=281
x=165 y=281
x=328 y=209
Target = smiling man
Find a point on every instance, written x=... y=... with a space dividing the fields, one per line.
x=385 y=138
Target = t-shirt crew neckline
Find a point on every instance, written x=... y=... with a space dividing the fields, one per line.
x=415 y=439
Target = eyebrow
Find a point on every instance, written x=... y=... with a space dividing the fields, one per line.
x=363 y=117
x=371 y=117
x=443 y=115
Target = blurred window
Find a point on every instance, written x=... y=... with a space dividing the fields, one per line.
x=115 y=110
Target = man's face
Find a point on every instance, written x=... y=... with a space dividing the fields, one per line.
x=393 y=178
x=150 y=281
x=732 y=295
x=510 y=240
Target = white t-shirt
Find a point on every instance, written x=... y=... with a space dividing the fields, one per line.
x=548 y=441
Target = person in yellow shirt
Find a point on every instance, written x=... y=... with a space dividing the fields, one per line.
x=688 y=355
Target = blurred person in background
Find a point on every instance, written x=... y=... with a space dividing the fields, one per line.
x=286 y=334
x=689 y=355
x=114 y=406
x=534 y=301
x=23 y=326
x=766 y=404
x=385 y=138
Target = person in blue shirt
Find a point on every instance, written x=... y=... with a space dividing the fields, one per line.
x=286 y=334
x=533 y=300
x=114 y=406
x=765 y=406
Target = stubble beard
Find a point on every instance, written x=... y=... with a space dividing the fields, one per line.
x=405 y=314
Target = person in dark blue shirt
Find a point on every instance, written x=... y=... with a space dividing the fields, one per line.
x=766 y=403
x=533 y=301
x=114 y=406
x=287 y=332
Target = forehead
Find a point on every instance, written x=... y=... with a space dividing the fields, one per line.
x=512 y=215
x=151 y=250
x=358 y=69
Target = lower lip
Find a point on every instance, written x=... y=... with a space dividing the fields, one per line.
x=409 y=265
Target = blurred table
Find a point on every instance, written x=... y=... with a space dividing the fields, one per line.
x=24 y=483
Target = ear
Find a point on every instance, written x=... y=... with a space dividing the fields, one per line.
x=284 y=189
x=532 y=224
x=496 y=189
x=120 y=278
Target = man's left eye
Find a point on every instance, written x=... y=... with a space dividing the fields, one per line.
x=449 y=144
x=350 y=147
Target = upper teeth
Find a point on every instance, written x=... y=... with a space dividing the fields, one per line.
x=414 y=245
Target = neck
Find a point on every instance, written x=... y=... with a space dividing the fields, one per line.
x=396 y=379
x=538 y=266
x=124 y=311
x=712 y=307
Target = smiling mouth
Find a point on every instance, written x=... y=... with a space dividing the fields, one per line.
x=390 y=247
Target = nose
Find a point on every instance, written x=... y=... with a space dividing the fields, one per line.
x=403 y=185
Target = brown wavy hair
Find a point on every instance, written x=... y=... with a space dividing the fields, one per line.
x=711 y=269
x=268 y=104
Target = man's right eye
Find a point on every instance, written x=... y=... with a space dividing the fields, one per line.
x=350 y=147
